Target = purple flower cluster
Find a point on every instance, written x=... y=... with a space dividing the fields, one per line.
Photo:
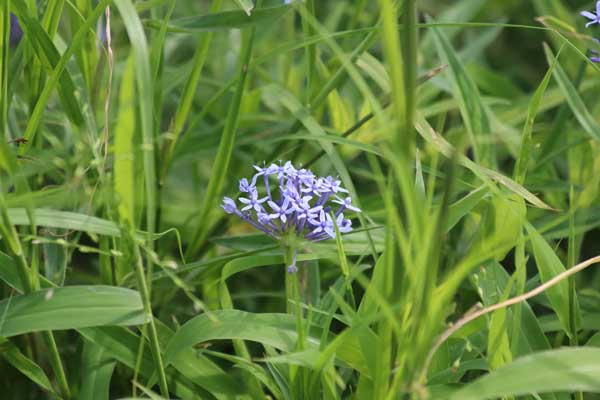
x=594 y=18
x=300 y=204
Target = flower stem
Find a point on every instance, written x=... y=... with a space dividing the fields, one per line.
x=293 y=292
x=288 y=257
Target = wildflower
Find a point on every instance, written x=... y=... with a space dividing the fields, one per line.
x=16 y=33
x=299 y=205
x=594 y=18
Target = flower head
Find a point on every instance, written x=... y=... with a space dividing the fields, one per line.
x=292 y=202
x=593 y=17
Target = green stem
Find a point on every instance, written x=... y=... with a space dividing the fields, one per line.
x=288 y=256
x=298 y=311
x=138 y=361
x=56 y=364
x=293 y=292
x=152 y=334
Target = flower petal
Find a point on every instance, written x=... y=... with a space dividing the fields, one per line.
x=588 y=15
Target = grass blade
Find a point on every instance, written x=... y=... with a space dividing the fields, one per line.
x=224 y=151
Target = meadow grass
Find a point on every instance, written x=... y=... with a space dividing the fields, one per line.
x=466 y=131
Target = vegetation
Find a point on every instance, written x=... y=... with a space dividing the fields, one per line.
x=466 y=133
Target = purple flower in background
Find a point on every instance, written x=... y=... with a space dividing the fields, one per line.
x=16 y=33
x=593 y=17
x=294 y=202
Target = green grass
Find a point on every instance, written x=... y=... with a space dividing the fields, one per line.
x=467 y=132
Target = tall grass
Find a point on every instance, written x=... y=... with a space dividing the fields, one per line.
x=466 y=131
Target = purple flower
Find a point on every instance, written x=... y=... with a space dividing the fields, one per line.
x=332 y=185
x=299 y=203
x=305 y=210
x=594 y=18
x=346 y=205
x=246 y=187
x=253 y=202
x=229 y=205
x=322 y=225
x=281 y=211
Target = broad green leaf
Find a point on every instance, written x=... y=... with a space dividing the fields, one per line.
x=568 y=369
x=70 y=307
x=65 y=220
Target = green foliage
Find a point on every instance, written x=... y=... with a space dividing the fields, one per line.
x=470 y=144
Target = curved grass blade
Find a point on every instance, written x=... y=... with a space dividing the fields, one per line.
x=485 y=174
x=224 y=20
x=225 y=149
x=469 y=99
